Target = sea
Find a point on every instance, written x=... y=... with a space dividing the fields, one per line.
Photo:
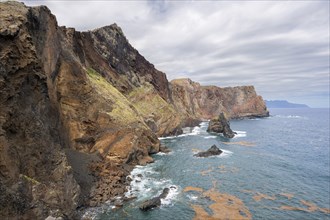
x=274 y=168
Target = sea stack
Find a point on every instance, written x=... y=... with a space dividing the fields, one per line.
x=221 y=125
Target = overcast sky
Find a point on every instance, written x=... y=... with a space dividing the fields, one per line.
x=280 y=47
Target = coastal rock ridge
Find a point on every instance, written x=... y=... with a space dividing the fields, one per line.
x=80 y=109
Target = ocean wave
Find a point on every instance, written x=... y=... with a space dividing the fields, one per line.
x=172 y=195
x=204 y=124
x=190 y=131
x=225 y=153
x=168 y=137
x=288 y=116
x=162 y=153
x=146 y=185
x=208 y=137
x=240 y=134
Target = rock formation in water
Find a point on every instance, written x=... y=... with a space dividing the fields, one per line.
x=154 y=202
x=221 y=125
x=79 y=109
x=213 y=151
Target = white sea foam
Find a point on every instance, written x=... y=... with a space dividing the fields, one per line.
x=168 y=137
x=161 y=154
x=209 y=137
x=240 y=134
x=189 y=131
x=172 y=194
x=146 y=185
x=192 y=197
x=225 y=153
x=288 y=116
x=204 y=124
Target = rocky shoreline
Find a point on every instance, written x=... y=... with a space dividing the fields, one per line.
x=80 y=109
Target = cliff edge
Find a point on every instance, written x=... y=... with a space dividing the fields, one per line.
x=80 y=109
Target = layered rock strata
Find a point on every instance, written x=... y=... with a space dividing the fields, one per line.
x=79 y=109
x=207 y=102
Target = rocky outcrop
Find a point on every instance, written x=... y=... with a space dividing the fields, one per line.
x=69 y=137
x=221 y=125
x=80 y=109
x=207 y=102
x=154 y=202
x=213 y=151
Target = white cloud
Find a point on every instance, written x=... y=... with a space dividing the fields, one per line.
x=280 y=47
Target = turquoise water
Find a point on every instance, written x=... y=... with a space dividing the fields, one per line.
x=287 y=161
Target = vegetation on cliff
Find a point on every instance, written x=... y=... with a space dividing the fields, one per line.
x=78 y=109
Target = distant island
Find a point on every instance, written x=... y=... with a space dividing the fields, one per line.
x=283 y=104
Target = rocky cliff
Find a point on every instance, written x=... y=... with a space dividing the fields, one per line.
x=207 y=102
x=78 y=109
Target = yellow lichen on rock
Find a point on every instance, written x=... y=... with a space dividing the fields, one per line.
x=122 y=110
x=150 y=105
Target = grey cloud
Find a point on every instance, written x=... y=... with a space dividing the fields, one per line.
x=280 y=47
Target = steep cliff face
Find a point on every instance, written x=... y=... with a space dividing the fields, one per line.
x=110 y=54
x=207 y=102
x=78 y=109
x=67 y=132
x=31 y=156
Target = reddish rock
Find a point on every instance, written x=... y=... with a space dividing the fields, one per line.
x=79 y=109
x=207 y=102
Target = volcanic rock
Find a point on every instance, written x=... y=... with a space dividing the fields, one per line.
x=213 y=151
x=80 y=109
x=221 y=125
x=154 y=202
x=206 y=102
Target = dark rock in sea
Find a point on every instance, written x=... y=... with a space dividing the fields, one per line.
x=214 y=150
x=221 y=125
x=164 y=149
x=154 y=202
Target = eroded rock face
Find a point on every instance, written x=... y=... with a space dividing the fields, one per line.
x=31 y=156
x=79 y=109
x=67 y=134
x=213 y=151
x=207 y=102
x=221 y=125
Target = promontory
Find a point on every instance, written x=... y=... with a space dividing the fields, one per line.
x=79 y=109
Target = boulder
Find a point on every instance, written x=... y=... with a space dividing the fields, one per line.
x=221 y=125
x=154 y=202
x=214 y=150
x=164 y=149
